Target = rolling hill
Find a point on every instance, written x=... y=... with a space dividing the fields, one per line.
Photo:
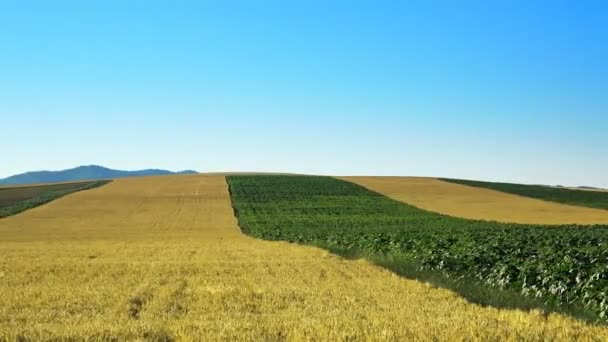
x=164 y=259
x=87 y=172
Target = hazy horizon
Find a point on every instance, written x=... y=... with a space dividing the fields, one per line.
x=274 y=172
x=512 y=92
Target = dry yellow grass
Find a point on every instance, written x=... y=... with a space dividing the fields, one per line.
x=163 y=257
x=476 y=203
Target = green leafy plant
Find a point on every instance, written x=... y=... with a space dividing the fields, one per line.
x=559 y=265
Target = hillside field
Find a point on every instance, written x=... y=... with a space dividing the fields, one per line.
x=162 y=258
x=592 y=198
x=478 y=203
x=565 y=266
x=15 y=199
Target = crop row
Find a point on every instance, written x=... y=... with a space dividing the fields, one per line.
x=561 y=265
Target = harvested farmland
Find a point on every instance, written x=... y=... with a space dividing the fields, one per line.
x=562 y=265
x=16 y=199
x=478 y=203
x=162 y=258
x=585 y=198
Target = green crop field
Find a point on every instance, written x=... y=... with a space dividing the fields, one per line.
x=163 y=259
x=585 y=198
x=14 y=200
x=561 y=266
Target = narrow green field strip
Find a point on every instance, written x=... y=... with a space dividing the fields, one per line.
x=561 y=267
x=584 y=198
x=13 y=194
x=14 y=200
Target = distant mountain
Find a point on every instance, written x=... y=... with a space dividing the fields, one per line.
x=82 y=173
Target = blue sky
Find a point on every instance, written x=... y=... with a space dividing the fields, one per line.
x=511 y=90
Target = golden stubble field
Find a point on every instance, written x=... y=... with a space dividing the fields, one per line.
x=162 y=257
x=476 y=203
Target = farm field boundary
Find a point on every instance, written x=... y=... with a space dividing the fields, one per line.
x=562 y=267
x=162 y=258
x=478 y=203
x=16 y=199
x=580 y=197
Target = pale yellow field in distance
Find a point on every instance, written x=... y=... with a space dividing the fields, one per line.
x=476 y=203
x=156 y=257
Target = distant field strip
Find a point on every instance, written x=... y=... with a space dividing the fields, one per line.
x=592 y=198
x=563 y=265
x=16 y=199
x=161 y=258
x=478 y=203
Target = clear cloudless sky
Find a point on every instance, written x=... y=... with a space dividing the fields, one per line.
x=491 y=90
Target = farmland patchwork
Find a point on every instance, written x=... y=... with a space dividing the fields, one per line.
x=14 y=200
x=479 y=203
x=587 y=198
x=562 y=265
x=162 y=258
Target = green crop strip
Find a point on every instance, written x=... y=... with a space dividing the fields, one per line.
x=43 y=196
x=584 y=198
x=562 y=266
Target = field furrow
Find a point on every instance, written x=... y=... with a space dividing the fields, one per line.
x=163 y=258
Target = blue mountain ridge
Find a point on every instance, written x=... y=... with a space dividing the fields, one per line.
x=86 y=172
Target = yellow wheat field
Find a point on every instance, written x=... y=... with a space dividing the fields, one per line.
x=477 y=203
x=162 y=257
